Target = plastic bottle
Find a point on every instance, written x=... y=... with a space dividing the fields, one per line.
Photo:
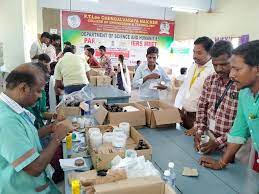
x=69 y=145
x=172 y=173
x=75 y=187
x=167 y=177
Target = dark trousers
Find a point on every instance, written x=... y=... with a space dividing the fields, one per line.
x=73 y=88
x=188 y=118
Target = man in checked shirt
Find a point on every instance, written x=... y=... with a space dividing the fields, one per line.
x=217 y=104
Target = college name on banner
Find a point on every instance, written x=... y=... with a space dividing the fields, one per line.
x=120 y=35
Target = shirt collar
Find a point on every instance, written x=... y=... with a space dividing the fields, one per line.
x=146 y=67
x=15 y=106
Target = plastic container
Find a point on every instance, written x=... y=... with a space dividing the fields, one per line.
x=107 y=137
x=119 y=140
x=126 y=128
x=75 y=185
x=172 y=173
x=204 y=139
x=81 y=123
x=96 y=139
x=131 y=153
x=91 y=130
x=167 y=177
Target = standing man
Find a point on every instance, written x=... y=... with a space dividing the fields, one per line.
x=71 y=72
x=245 y=72
x=39 y=46
x=217 y=105
x=190 y=91
x=91 y=59
x=24 y=164
x=150 y=77
x=105 y=62
x=51 y=49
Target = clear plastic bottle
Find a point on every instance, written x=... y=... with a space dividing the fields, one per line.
x=172 y=173
x=167 y=177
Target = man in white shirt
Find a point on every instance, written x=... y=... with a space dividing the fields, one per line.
x=190 y=91
x=39 y=46
x=150 y=77
x=51 y=49
x=71 y=72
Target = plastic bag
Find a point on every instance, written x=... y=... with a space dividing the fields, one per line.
x=75 y=98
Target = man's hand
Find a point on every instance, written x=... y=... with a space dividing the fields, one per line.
x=190 y=132
x=62 y=128
x=151 y=76
x=210 y=163
x=197 y=142
x=209 y=147
x=161 y=87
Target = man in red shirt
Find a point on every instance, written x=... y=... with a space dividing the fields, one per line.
x=92 y=60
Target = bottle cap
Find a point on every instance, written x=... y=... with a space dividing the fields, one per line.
x=171 y=165
x=167 y=173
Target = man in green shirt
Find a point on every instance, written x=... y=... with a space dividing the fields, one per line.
x=244 y=71
x=24 y=165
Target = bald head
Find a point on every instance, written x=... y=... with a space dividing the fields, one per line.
x=25 y=73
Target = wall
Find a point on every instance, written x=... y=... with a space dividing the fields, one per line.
x=230 y=18
x=12 y=33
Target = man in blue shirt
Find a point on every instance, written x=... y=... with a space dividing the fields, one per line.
x=150 y=77
x=244 y=71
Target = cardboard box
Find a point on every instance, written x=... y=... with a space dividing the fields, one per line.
x=164 y=116
x=93 y=80
x=66 y=111
x=103 y=80
x=97 y=71
x=137 y=118
x=102 y=161
x=140 y=185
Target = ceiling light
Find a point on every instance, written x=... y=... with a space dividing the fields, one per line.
x=181 y=9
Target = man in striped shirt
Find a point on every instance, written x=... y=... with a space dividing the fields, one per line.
x=217 y=104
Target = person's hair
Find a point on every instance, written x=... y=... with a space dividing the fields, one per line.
x=46 y=35
x=15 y=78
x=52 y=67
x=249 y=52
x=87 y=46
x=102 y=48
x=55 y=37
x=44 y=57
x=121 y=58
x=67 y=43
x=138 y=61
x=152 y=50
x=220 y=48
x=68 y=49
x=91 y=50
x=183 y=70
x=205 y=41
x=73 y=47
x=43 y=69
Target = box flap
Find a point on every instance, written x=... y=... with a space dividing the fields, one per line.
x=150 y=185
x=167 y=116
x=101 y=115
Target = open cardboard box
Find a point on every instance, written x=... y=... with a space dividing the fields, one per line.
x=140 y=185
x=102 y=161
x=164 y=116
x=97 y=71
x=66 y=111
x=103 y=80
x=137 y=118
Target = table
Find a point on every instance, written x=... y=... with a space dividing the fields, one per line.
x=170 y=144
x=110 y=93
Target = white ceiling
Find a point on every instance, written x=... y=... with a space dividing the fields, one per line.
x=136 y=8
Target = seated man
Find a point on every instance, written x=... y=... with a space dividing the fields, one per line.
x=150 y=77
x=217 y=104
x=24 y=163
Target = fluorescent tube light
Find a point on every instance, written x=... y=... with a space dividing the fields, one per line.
x=181 y=9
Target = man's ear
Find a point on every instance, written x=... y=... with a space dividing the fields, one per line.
x=23 y=87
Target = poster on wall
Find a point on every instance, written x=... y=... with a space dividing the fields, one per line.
x=129 y=36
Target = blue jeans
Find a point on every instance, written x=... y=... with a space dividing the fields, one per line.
x=73 y=88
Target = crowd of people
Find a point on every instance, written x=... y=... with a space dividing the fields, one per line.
x=219 y=97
